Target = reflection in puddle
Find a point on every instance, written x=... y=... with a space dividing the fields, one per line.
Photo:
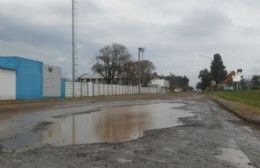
x=114 y=124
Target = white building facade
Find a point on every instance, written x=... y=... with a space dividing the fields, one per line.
x=51 y=81
x=162 y=84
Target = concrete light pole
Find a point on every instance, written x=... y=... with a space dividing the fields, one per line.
x=74 y=43
x=73 y=48
x=140 y=50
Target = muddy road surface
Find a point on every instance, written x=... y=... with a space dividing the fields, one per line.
x=177 y=132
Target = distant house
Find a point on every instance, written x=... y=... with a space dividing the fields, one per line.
x=232 y=81
x=229 y=78
x=161 y=83
x=94 y=78
x=227 y=83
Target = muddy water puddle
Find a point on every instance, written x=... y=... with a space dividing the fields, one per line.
x=111 y=124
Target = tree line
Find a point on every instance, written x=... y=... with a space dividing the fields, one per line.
x=115 y=64
x=210 y=79
x=255 y=82
x=177 y=82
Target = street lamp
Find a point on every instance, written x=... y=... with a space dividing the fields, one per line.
x=140 y=50
x=73 y=46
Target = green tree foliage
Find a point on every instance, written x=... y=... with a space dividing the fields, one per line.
x=205 y=79
x=218 y=70
x=255 y=82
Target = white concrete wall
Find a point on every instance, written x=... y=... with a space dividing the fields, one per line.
x=7 y=84
x=51 y=81
x=83 y=89
x=90 y=89
x=69 y=90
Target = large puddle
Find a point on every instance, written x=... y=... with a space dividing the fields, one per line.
x=111 y=124
x=117 y=124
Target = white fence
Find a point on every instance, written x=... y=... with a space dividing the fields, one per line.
x=88 y=89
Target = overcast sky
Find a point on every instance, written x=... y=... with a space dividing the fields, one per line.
x=180 y=36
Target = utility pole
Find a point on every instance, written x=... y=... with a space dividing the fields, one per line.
x=140 y=50
x=73 y=47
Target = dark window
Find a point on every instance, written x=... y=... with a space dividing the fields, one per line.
x=50 y=69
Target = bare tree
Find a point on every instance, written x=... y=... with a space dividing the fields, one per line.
x=130 y=72
x=111 y=61
x=147 y=68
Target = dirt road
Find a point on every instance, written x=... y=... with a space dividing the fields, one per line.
x=178 y=132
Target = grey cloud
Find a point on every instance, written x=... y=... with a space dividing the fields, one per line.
x=86 y=7
x=203 y=23
x=21 y=30
x=187 y=29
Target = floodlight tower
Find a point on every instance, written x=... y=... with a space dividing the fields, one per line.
x=74 y=45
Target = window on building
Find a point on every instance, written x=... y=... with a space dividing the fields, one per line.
x=50 y=69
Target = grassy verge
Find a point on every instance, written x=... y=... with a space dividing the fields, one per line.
x=251 y=98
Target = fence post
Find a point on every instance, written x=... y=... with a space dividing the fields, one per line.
x=116 y=88
x=87 y=90
x=108 y=92
x=112 y=89
x=80 y=88
x=98 y=88
x=103 y=89
x=93 y=89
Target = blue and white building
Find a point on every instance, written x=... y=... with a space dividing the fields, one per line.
x=26 y=79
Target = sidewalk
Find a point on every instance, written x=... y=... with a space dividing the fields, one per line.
x=246 y=112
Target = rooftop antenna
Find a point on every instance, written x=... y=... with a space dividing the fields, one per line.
x=74 y=45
